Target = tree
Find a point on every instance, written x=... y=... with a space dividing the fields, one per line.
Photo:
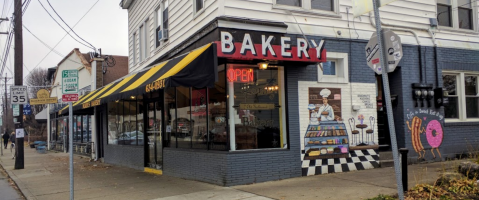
x=35 y=80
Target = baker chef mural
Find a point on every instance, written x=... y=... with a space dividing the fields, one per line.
x=333 y=141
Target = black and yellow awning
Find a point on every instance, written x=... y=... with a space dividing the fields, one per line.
x=197 y=68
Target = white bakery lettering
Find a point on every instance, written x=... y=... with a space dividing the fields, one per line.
x=227 y=45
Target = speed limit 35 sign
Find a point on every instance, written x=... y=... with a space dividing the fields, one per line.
x=18 y=94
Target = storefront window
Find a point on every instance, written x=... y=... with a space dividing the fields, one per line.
x=53 y=129
x=139 y=123
x=170 y=115
x=218 y=137
x=76 y=130
x=198 y=115
x=86 y=128
x=183 y=123
x=113 y=122
x=257 y=113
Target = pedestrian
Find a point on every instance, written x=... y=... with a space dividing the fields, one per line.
x=12 y=148
x=5 y=137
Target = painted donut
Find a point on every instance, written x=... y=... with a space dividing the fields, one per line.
x=434 y=140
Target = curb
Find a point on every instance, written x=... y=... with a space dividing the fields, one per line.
x=9 y=176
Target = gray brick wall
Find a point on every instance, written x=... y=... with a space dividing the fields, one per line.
x=459 y=137
x=128 y=156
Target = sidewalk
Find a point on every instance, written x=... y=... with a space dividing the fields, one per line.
x=46 y=176
x=7 y=191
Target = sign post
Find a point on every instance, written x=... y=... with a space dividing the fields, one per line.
x=70 y=94
x=387 y=94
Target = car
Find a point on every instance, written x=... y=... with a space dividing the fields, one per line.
x=183 y=127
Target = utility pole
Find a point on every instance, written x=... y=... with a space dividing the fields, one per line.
x=19 y=151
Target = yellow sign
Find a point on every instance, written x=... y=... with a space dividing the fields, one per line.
x=156 y=85
x=95 y=103
x=86 y=105
x=43 y=97
x=257 y=106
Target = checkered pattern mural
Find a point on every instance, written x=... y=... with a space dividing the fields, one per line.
x=358 y=160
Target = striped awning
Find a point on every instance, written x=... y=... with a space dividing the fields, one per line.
x=197 y=68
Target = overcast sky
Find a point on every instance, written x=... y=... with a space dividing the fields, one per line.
x=105 y=26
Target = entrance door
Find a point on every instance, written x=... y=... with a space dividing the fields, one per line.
x=384 y=138
x=153 y=132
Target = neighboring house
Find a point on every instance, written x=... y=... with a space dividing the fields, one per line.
x=253 y=122
x=58 y=119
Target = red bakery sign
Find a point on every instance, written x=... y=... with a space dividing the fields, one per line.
x=240 y=45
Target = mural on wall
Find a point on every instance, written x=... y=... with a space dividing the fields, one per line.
x=326 y=135
x=327 y=147
x=362 y=132
x=425 y=121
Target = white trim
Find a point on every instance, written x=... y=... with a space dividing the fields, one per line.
x=195 y=12
x=461 y=95
x=305 y=8
x=455 y=19
x=254 y=27
x=342 y=69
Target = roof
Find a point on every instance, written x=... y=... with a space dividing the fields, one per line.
x=119 y=70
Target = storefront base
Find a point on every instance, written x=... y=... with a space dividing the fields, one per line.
x=127 y=156
x=231 y=168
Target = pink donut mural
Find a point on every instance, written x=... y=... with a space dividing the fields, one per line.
x=434 y=140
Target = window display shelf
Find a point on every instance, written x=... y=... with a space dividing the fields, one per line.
x=333 y=141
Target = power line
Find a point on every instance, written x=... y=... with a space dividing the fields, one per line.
x=10 y=37
x=64 y=36
x=62 y=26
x=69 y=26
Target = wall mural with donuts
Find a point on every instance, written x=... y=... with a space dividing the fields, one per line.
x=427 y=133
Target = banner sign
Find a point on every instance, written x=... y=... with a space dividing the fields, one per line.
x=249 y=45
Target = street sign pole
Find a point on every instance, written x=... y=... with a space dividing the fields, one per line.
x=70 y=146
x=70 y=94
x=387 y=94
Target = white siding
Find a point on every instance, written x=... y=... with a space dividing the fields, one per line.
x=410 y=13
x=182 y=24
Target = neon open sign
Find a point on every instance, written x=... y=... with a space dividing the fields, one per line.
x=241 y=75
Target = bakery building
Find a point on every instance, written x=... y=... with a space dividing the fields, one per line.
x=219 y=96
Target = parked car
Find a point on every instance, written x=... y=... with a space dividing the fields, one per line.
x=183 y=127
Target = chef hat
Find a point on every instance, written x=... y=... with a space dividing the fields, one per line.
x=325 y=93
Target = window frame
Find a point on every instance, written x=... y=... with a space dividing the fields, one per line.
x=197 y=12
x=455 y=18
x=134 y=48
x=282 y=101
x=342 y=68
x=162 y=6
x=140 y=42
x=461 y=95
x=305 y=8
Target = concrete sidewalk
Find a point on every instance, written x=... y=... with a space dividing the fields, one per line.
x=46 y=176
